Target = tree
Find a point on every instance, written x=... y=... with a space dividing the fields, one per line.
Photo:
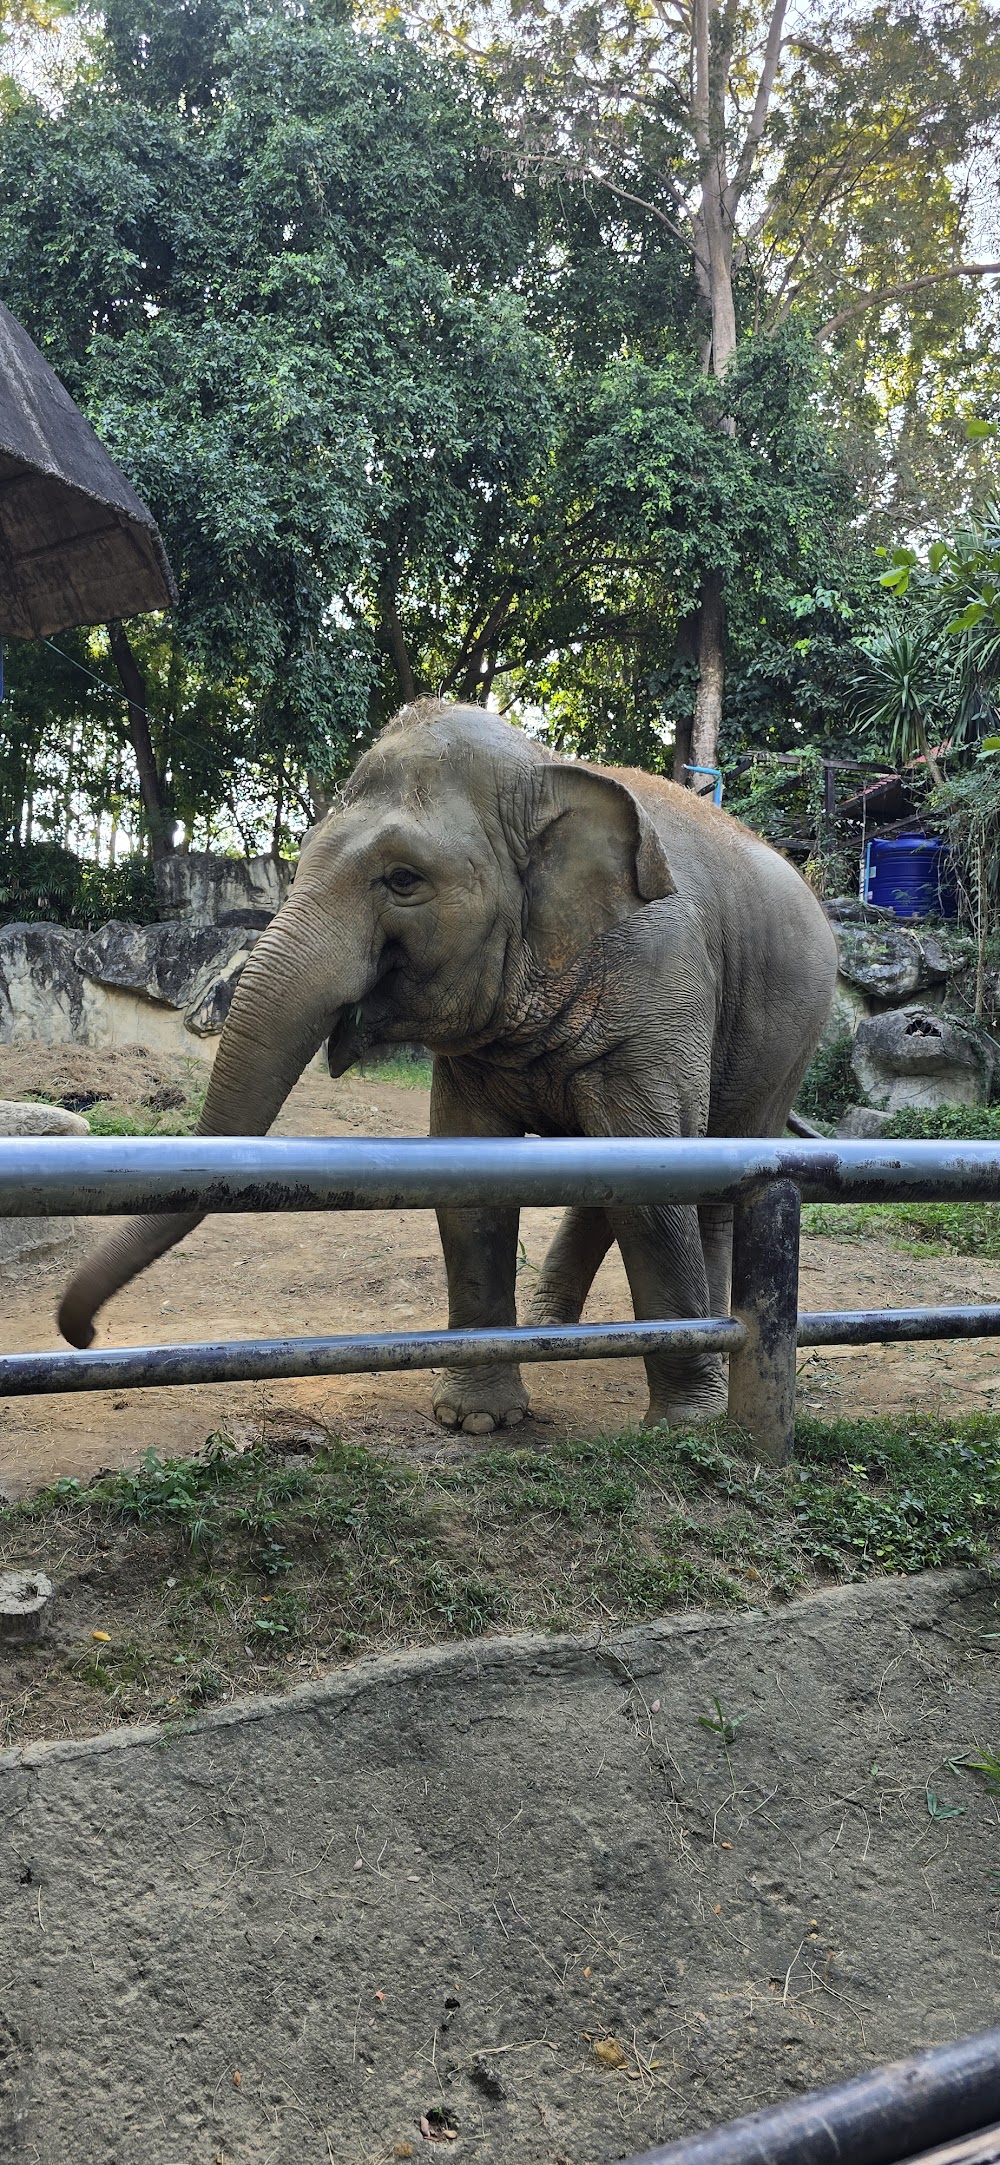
x=275 y=264
x=792 y=163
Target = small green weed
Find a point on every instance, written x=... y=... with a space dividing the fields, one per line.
x=938 y=1809
x=724 y=1726
x=987 y=1762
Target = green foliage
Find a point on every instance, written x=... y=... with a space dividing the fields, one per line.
x=947 y=1124
x=286 y=293
x=896 y=693
x=658 y=493
x=45 y=883
x=828 y=1086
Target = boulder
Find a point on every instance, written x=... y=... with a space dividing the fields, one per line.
x=201 y=888
x=921 y=1056
x=887 y=963
x=170 y=963
x=862 y=1123
x=41 y=989
x=32 y=1119
x=195 y=968
x=166 y=987
x=848 y=1008
x=21 y=1238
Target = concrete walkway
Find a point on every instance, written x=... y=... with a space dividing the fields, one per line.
x=430 y=1886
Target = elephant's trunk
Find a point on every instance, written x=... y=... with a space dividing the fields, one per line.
x=288 y=997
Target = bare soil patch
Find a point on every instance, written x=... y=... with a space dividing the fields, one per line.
x=306 y=1272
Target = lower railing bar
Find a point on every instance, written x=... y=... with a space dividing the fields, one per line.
x=370 y=1353
x=881 y=2118
x=888 y=1326
x=250 y=1360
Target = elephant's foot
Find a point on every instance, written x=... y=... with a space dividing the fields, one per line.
x=478 y=1400
x=683 y=1396
x=689 y=1411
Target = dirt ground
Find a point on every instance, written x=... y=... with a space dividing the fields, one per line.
x=521 y=1890
x=305 y=1272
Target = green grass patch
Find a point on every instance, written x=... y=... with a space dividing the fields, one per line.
x=922 y=1228
x=236 y=1569
x=409 y=1073
x=114 y=1120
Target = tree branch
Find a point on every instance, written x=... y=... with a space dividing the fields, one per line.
x=885 y=294
x=761 y=106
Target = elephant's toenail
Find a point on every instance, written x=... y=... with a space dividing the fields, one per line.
x=513 y=1415
x=479 y=1424
x=446 y=1415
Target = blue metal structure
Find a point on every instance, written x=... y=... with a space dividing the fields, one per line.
x=765 y=1182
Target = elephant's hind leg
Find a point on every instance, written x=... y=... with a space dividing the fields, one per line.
x=570 y=1267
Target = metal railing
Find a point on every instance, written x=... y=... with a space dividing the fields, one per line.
x=764 y=1182
x=903 y=2112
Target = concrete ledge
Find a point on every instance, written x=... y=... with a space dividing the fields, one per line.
x=432 y=1881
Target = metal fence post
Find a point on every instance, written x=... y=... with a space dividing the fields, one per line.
x=765 y=1299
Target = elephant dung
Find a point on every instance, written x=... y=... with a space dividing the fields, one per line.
x=921 y=1057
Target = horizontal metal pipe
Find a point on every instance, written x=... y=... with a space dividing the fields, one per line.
x=104 y=1175
x=877 y=2119
x=254 y=1359
x=888 y=1326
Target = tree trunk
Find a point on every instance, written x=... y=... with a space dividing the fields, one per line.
x=713 y=247
x=158 y=818
x=711 y=676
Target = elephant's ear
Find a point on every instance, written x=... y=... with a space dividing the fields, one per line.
x=595 y=858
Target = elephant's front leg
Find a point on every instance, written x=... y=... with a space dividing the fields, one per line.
x=480 y=1254
x=663 y=1256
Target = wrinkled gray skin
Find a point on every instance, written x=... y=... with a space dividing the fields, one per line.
x=586 y=953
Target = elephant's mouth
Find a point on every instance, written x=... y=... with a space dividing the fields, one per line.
x=346 y=1041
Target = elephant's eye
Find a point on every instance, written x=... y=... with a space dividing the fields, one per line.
x=402 y=881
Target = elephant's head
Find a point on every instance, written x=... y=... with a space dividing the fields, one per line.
x=463 y=872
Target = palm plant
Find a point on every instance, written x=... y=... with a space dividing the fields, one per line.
x=896 y=693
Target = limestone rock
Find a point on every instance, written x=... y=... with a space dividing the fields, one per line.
x=861 y=1123
x=41 y=990
x=890 y=963
x=170 y=963
x=848 y=1008
x=921 y=1056
x=201 y=888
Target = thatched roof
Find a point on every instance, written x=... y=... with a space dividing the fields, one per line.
x=77 y=545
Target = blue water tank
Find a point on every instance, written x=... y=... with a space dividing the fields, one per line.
x=909 y=875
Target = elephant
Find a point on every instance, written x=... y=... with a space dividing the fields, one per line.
x=585 y=951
